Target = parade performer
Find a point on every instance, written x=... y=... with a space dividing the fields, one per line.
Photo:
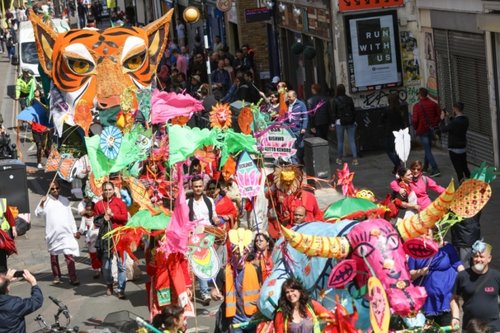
x=437 y=274
x=297 y=312
x=288 y=180
x=239 y=286
x=88 y=228
x=60 y=232
x=114 y=213
x=262 y=253
x=420 y=184
x=169 y=277
x=224 y=206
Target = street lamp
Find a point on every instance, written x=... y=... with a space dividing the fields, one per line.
x=192 y=15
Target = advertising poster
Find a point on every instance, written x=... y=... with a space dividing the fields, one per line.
x=373 y=51
x=410 y=55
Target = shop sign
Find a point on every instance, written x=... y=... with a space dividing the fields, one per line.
x=278 y=142
x=373 y=51
x=257 y=14
x=224 y=5
x=347 y=5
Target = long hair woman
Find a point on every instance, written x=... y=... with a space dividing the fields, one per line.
x=297 y=312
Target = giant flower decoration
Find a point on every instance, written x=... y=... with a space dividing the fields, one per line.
x=220 y=116
x=110 y=142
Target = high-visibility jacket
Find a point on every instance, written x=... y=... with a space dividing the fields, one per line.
x=250 y=292
x=26 y=88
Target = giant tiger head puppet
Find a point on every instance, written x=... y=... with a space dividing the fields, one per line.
x=94 y=68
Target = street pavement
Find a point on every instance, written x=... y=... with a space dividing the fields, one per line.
x=88 y=303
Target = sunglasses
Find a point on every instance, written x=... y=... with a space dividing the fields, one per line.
x=54 y=189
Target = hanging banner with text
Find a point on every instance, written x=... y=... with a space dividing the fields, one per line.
x=347 y=5
x=373 y=51
x=277 y=142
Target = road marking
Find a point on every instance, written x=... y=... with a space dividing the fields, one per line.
x=198 y=329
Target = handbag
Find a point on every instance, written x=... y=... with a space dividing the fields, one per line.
x=435 y=131
x=22 y=226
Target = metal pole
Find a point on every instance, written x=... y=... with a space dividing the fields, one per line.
x=77 y=16
x=205 y=39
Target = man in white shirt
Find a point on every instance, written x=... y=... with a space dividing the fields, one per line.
x=60 y=232
x=202 y=209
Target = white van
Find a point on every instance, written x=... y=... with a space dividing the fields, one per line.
x=28 y=56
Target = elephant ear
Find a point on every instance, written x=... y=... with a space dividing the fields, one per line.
x=420 y=248
x=45 y=38
x=342 y=274
x=157 y=33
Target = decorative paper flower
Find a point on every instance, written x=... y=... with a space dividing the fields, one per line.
x=220 y=116
x=249 y=183
x=345 y=180
x=110 y=142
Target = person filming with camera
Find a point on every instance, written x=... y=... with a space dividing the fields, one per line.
x=13 y=309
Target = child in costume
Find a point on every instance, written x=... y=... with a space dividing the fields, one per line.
x=87 y=228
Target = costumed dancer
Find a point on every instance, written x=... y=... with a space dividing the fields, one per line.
x=169 y=278
x=87 y=228
x=289 y=179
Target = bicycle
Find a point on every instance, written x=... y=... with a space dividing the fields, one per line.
x=62 y=309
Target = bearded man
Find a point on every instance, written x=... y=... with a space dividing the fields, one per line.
x=479 y=287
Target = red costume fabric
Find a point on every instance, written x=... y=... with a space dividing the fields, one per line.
x=169 y=278
x=117 y=206
x=225 y=207
x=39 y=128
x=305 y=199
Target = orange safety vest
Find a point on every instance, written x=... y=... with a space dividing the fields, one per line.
x=251 y=290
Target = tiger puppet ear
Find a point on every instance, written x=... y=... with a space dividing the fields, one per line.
x=45 y=37
x=157 y=33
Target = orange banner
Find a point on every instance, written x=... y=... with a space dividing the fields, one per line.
x=347 y=5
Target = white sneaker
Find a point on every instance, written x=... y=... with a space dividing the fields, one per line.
x=40 y=166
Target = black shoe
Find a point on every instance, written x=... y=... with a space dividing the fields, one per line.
x=435 y=173
x=121 y=295
x=75 y=282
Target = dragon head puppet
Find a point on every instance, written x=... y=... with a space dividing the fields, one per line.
x=95 y=67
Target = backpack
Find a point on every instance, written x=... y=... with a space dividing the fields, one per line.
x=344 y=110
x=209 y=206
